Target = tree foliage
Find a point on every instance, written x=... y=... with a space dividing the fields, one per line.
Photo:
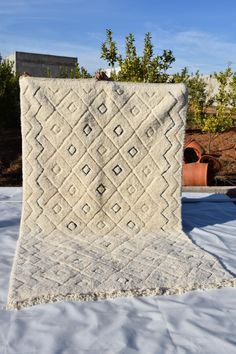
x=232 y=88
x=78 y=72
x=131 y=64
x=109 y=50
x=224 y=101
x=197 y=87
x=81 y=73
x=132 y=67
x=197 y=94
x=9 y=96
x=223 y=119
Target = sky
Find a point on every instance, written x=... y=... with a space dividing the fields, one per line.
x=201 y=34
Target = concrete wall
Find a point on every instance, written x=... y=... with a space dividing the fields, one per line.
x=40 y=65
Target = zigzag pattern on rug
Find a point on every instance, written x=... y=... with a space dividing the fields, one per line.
x=101 y=215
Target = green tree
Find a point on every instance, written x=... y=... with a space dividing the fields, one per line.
x=222 y=120
x=182 y=76
x=198 y=94
x=81 y=72
x=131 y=65
x=63 y=73
x=109 y=50
x=158 y=67
x=9 y=96
x=147 y=68
x=147 y=56
x=232 y=88
x=76 y=73
x=223 y=96
x=224 y=100
x=197 y=88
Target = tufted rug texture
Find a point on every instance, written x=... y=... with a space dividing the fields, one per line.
x=101 y=212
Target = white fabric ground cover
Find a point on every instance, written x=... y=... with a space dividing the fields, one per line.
x=197 y=322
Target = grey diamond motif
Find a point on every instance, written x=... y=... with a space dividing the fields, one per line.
x=126 y=251
x=102 y=150
x=133 y=151
x=57 y=209
x=135 y=111
x=131 y=189
x=86 y=169
x=72 y=107
x=72 y=150
x=116 y=208
x=72 y=190
x=87 y=129
x=146 y=171
x=71 y=226
x=149 y=258
x=118 y=130
x=56 y=169
x=119 y=91
x=150 y=132
x=105 y=244
x=123 y=280
x=117 y=170
x=101 y=189
x=56 y=129
x=144 y=208
x=101 y=225
x=86 y=208
x=98 y=271
x=102 y=108
x=131 y=224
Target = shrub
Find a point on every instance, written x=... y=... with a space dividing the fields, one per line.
x=197 y=98
x=222 y=120
x=147 y=68
x=109 y=51
x=224 y=101
x=9 y=96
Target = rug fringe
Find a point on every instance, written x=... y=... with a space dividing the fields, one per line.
x=162 y=291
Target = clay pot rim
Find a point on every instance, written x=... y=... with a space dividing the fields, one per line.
x=198 y=148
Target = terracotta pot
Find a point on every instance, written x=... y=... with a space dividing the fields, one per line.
x=195 y=174
x=190 y=155
x=214 y=164
x=193 y=151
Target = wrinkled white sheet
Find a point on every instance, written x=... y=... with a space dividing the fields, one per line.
x=197 y=322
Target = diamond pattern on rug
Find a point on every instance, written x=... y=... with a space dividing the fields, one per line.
x=102 y=182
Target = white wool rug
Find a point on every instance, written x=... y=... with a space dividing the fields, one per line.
x=101 y=213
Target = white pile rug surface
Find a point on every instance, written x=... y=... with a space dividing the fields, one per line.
x=101 y=213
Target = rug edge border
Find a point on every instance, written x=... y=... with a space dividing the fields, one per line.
x=161 y=291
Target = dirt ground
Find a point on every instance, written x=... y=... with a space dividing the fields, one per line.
x=223 y=147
